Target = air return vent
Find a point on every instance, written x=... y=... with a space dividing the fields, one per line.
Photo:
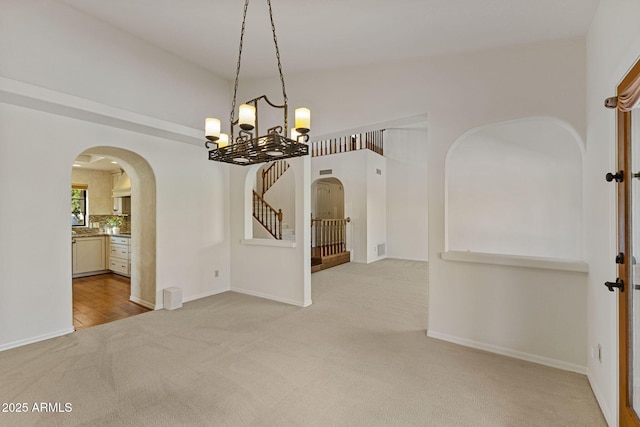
x=326 y=172
x=381 y=249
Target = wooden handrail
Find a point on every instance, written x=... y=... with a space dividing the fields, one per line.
x=373 y=140
x=271 y=174
x=266 y=215
x=328 y=236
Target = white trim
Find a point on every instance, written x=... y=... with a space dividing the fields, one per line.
x=147 y=304
x=398 y=123
x=89 y=273
x=270 y=297
x=37 y=339
x=269 y=242
x=517 y=261
x=600 y=399
x=42 y=99
x=206 y=294
x=554 y=363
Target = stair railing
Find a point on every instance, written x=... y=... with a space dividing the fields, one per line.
x=328 y=236
x=271 y=174
x=266 y=215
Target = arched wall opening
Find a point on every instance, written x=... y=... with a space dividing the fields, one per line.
x=275 y=184
x=327 y=199
x=143 y=221
x=515 y=188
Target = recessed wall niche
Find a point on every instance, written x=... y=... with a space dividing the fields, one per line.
x=515 y=188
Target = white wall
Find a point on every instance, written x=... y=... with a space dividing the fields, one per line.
x=613 y=46
x=407 y=201
x=277 y=270
x=459 y=93
x=376 y=191
x=122 y=83
x=192 y=218
x=516 y=188
x=49 y=44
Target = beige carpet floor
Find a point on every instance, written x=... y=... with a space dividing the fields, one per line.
x=357 y=357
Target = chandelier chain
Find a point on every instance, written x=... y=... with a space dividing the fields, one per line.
x=235 y=87
x=275 y=42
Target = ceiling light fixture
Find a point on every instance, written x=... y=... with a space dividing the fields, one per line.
x=249 y=147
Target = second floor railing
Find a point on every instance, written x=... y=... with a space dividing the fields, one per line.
x=373 y=140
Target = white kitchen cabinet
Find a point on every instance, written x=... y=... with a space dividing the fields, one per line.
x=120 y=255
x=88 y=255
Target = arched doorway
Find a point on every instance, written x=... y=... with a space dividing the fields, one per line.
x=141 y=221
x=329 y=231
x=327 y=199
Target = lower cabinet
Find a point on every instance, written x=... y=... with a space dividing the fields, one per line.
x=88 y=255
x=120 y=255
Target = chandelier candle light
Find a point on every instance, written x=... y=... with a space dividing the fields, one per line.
x=249 y=147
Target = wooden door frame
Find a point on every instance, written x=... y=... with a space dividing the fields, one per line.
x=627 y=415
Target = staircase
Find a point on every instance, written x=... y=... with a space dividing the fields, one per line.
x=272 y=174
x=263 y=212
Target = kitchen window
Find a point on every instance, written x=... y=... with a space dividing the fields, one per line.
x=79 y=205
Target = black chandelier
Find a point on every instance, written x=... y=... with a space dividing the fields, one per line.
x=249 y=147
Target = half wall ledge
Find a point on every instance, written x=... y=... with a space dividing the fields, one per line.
x=517 y=261
x=269 y=242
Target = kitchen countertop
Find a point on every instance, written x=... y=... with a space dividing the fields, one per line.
x=83 y=235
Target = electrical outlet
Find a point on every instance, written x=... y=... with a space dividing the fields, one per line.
x=216 y=273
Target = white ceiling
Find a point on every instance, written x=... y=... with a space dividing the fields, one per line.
x=95 y=162
x=314 y=34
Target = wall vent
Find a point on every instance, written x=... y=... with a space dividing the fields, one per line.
x=381 y=249
x=326 y=172
x=379 y=171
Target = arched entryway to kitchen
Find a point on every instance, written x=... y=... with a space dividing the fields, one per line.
x=138 y=231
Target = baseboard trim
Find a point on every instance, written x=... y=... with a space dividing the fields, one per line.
x=554 y=363
x=204 y=295
x=269 y=297
x=37 y=339
x=147 y=304
x=90 y=273
x=606 y=412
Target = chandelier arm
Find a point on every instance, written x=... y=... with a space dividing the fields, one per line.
x=275 y=42
x=235 y=87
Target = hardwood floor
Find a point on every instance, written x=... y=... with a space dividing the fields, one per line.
x=102 y=299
